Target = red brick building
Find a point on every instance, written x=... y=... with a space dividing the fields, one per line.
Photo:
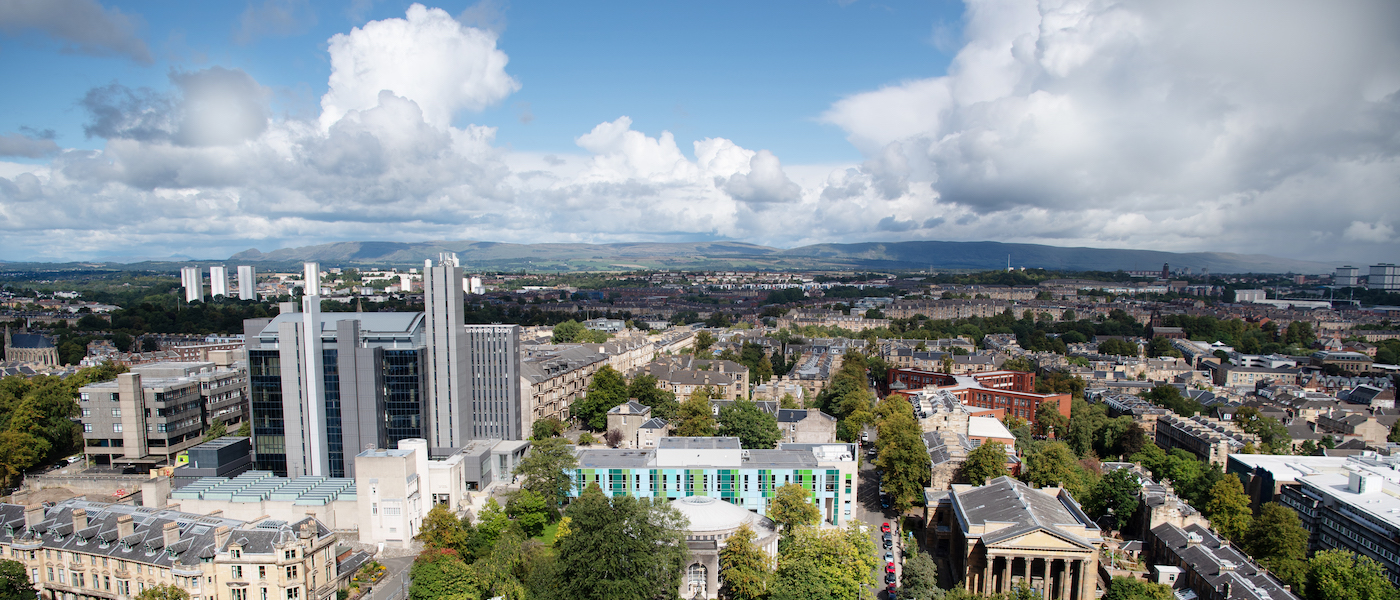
x=1011 y=391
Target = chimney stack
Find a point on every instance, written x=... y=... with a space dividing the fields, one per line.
x=221 y=534
x=170 y=533
x=33 y=515
x=80 y=521
x=125 y=527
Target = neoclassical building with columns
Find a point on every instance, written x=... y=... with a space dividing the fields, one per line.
x=1001 y=534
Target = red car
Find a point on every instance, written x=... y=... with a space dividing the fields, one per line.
x=885 y=528
x=889 y=567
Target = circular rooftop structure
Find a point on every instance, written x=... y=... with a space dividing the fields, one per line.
x=712 y=515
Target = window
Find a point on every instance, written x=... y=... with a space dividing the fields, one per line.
x=87 y=427
x=87 y=412
x=116 y=427
x=264 y=593
x=237 y=571
x=292 y=572
x=50 y=573
x=293 y=593
x=262 y=573
x=237 y=594
x=235 y=553
x=289 y=554
x=116 y=412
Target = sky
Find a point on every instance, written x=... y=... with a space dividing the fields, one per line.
x=161 y=129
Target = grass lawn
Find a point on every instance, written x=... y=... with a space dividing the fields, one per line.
x=547 y=537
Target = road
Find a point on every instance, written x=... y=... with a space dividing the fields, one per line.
x=869 y=512
x=394 y=586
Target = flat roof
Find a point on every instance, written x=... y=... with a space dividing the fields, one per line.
x=698 y=443
x=1288 y=469
x=388 y=322
x=988 y=427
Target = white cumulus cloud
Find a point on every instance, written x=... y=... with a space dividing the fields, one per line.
x=427 y=57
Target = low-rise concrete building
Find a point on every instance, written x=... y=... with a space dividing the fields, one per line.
x=806 y=426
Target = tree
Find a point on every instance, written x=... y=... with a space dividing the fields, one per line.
x=164 y=591
x=246 y=429
x=1049 y=421
x=1084 y=423
x=1278 y=541
x=985 y=462
x=613 y=438
x=607 y=390
x=1228 y=508
x=1116 y=493
x=791 y=509
x=920 y=576
x=19 y=451
x=442 y=529
x=825 y=563
x=744 y=568
x=489 y=525
x=622 y=548
x=1394 y=432
x=662 y=402
x=755 y=428
x=696 y=417
x=531 y=511
x=703 y=341
x=1132 y=588
x=567 y=332
x=547 y=470
x=546 y=428
x=441 y=573
x=788 y=401
x=1340 y=575
x=1053 y=463
x=586 y=439
x=14 y=582
x=901 y=452
x=220 y=429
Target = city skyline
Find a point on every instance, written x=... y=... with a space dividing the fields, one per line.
x=1254 y=128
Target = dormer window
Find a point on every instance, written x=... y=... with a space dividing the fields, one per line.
x=235 y=553
x=104 y=544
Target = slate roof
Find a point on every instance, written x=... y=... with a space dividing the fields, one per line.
x=633 y=408
x=653 y=423
x=1006 y=500
x=30 y=340
x=147 y=542
x=793 y=415
x=1217 y=564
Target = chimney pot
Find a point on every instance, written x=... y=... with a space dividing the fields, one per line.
x=80 y=520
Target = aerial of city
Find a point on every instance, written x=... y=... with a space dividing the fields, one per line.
x=834 y=300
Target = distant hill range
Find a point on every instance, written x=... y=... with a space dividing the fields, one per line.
x=738 y=255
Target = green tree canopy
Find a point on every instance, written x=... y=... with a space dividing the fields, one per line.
x=755 y=428
x=530 y=511
x=696 y=417
x=442 y=529
x=622 y=548
x=164 y=591
x=820 y=564
x=920 y=576
x=985 y=462
x=1116 y=493
x=607 y=390
x=744 y=568
x=703 y=341
x=1132 y=588
x=902 y=453
x=1278 y=541
x=546 y=428
x=547 y=470
x=1228 y=508
x=1049 y=421
x=662 y=402
x=1341 y=575
x=14 y=582
x=792 y=508
x=441 y=573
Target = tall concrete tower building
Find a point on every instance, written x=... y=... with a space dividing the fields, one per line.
x=473 y=370
x=218 y=281
x=247 y=283
x=449 y=414
x=193 y=282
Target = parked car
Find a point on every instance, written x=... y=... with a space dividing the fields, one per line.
x=884 y=527
x=889 y=567
x=889 y=556
x=890 y=578
x=885 y=501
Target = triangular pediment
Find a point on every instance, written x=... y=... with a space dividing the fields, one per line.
x=1040 y=539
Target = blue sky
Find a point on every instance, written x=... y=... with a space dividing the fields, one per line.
x=759 y=73
x=200 y=129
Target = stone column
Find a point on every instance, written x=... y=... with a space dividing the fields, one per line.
x=1006 y=573
x=1088 y=578
x=987 y=576
x=1045 y=581
x=1065 y=579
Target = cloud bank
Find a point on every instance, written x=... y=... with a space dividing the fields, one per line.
x=1271 y=127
